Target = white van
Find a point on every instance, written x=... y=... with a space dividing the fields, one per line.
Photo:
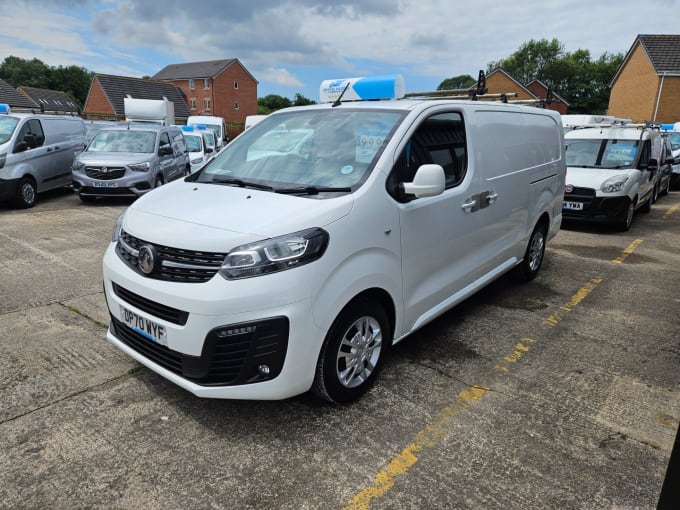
x=36 y=153
x=611 y=173
x=215 y=123
x=197 y=146
x=272 y=272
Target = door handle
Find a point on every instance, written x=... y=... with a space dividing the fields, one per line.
x=468 y=205
x=491 y=197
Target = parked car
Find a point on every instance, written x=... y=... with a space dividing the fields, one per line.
x=610 y=173
x=262 y=276
x=129 y=161
x=36 y=153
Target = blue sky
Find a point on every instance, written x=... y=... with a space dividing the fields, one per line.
x=291 y=46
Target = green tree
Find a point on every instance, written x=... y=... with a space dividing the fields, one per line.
x=271 y=103
x=530 y=60
x=301 y=100
x=28 y=73
x=72 y=80
x=462 y=81
x=580 y=80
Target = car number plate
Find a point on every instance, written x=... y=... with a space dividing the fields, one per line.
x=573 y=206
x=99 y=184
x=147 y=328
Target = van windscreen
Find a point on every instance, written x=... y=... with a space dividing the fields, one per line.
x=7 y=125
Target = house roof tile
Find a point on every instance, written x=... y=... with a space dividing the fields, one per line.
x=116 y=88
x=51 y=100
x=206 y=69
x=663 y=52
x=14 y=99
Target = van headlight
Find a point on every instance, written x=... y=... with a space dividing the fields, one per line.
x=274 y=255
x=140 y=167
x=118 y=228
x=78 y=165
x=614 y=184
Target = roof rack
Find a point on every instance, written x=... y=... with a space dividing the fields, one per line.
x=375 y=88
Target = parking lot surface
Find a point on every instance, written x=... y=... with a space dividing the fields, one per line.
x=560 y=393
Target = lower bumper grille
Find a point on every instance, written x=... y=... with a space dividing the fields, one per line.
x=231 y=355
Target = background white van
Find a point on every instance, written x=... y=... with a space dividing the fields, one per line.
x=211 y=122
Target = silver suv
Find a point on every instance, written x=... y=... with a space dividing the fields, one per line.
x=129 y=161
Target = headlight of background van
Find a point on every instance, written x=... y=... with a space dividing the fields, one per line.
x=78 y=165
x=141 y=167
x=614 y=184
x=274 y=255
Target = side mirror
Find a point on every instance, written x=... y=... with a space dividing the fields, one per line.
x=165 y=150
x=429 y=181
x=208 y=149
x=21 y=147
x=652 y=165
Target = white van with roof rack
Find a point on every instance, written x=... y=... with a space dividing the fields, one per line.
x=326 y=233
x=611 y=172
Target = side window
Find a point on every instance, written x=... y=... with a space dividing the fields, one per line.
x=192 y=84
x=440 y=139
x=30 y=136
x=645 y=154
x=164 y=141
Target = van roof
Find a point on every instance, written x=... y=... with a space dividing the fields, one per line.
x=614 y=132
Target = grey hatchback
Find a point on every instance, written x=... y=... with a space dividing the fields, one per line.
x=129 y=161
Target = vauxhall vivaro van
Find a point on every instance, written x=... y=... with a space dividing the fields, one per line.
x=36 y=153
x=279 y=268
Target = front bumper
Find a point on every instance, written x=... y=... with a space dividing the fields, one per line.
x=8 y=189
x=594 y=208
x=223 y=339
x=132 y=184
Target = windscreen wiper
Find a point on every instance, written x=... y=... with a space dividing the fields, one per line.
x=242 y=184
x=313 y=190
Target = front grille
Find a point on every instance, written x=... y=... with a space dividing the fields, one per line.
x=586 y=196
x=176 y=264
x=98 y=172
x=231 y=354
x=151 y=307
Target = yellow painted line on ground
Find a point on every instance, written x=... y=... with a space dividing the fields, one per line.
x=556 y=317
x=670 y=211
x=630 y=249
x=436 y=431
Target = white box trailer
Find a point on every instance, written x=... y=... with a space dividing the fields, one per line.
x=149 y=111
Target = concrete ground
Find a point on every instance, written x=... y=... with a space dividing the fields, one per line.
x=560 y=393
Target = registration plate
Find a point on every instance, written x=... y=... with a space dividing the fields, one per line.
x=147 y=328
x=99 y=184
x=573 y=206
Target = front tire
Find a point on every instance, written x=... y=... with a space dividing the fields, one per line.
x=351 y=354
x=158 y=182
x=26 y=194
x=534 y=254
x=627 y=218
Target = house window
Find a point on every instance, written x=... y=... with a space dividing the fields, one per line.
x=235 y=84
x=236 y=105
x=192 y=103
x=206 y=84
x=206 y=104
x=192 y=85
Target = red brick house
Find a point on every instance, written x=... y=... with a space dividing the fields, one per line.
x=500 y=81
x=223 y=88
x=540 y=90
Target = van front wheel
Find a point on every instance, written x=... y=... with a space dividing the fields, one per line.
x=26 y=193
x=352 y=352
x=533 y=257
